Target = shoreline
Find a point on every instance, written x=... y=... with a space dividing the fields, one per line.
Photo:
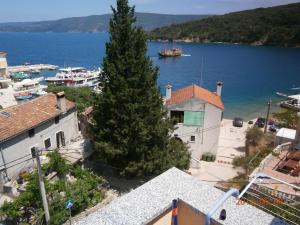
x=189 y=41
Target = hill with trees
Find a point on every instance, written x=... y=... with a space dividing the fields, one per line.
x=95 y=23
x=276 y=26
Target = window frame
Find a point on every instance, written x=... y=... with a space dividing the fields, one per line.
x=192 y=138
x=49 y=138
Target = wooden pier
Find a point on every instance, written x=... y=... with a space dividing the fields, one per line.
x=28 y=68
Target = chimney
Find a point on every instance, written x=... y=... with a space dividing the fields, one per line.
x=219 y=88
x=168 y=91
x=61 y=101
x=297 y=138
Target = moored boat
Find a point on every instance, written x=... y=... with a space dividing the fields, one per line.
x=76 y=77
x=20 y=76
x=174 y=52
x=23 y=97
x=281 y=94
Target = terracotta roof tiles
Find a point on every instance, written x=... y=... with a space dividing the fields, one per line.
x=195 y=91
x=22 y=117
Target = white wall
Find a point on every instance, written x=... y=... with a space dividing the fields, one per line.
x=3 y=67
x=206 y=136
x=212 y=126
x=18 y=148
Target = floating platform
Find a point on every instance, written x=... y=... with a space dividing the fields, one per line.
x=29 y=68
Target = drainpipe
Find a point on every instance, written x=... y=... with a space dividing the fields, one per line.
x=4 y=164
x=232 y=192
x=174 y=212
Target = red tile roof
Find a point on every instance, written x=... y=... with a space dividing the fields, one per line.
x=195 y=91
x=19 y=118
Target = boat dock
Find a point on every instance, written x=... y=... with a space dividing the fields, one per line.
x=28 y=68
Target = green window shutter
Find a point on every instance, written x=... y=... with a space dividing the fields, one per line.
x=193 y=118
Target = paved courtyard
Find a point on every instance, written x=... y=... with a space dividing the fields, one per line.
x=231 y=144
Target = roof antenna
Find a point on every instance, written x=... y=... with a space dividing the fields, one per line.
x=201 y=74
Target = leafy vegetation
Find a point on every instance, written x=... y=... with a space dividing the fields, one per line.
x=287 y=118
x=131 y=131
x=83 y=96
x=253 y=136
x=83 y=189
x=278 y=26
x=95 y=23
x=252 y=161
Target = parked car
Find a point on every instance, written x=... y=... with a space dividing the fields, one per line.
x=260 y=122
x=237 y=122
x=275 y=127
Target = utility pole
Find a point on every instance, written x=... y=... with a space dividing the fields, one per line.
x=267 y=118
x=36 y=154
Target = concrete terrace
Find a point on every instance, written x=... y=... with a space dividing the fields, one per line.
x=150 y=200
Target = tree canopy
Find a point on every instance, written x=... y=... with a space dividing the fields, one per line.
x=278 y=26
x=131 y=131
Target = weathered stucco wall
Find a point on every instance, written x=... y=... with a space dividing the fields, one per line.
x=206 y=136
x=18 y=149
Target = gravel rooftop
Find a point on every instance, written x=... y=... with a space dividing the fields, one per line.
x=145 y=203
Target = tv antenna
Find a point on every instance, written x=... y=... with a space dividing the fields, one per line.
x=201 y=74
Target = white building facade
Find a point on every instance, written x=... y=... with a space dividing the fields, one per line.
x=198 y=113
x=47 y=122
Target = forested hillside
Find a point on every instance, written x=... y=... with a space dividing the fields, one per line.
x=277 y=26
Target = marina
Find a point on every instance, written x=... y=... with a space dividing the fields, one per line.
x=76 y=77
x=31 y=68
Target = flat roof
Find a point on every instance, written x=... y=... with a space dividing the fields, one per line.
x=295 y=97
x=286 y=133
x=150 y=200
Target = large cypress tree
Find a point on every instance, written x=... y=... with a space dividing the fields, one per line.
x=131 y=131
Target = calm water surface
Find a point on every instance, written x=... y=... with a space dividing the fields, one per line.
x=251 y=75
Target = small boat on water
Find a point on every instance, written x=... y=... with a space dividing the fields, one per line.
x=281 y=94
x=23 y=97
x=34 y=71
x=295 y=88
x=38 y=92
x=174 y=52
x=20 y=76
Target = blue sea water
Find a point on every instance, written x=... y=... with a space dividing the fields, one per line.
x=251 y=75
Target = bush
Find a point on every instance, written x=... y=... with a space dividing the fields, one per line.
x=85 y=191
x=83 y=96
x=253 y=136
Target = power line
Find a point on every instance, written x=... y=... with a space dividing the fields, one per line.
x=18 y=163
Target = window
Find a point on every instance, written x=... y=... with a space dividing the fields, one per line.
x=60 y=139
x=33 y=152
x=56 y=119
x=193 y=118
x=47 y=143
x=178 y=116
x=193 y=138
x=31 y=132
